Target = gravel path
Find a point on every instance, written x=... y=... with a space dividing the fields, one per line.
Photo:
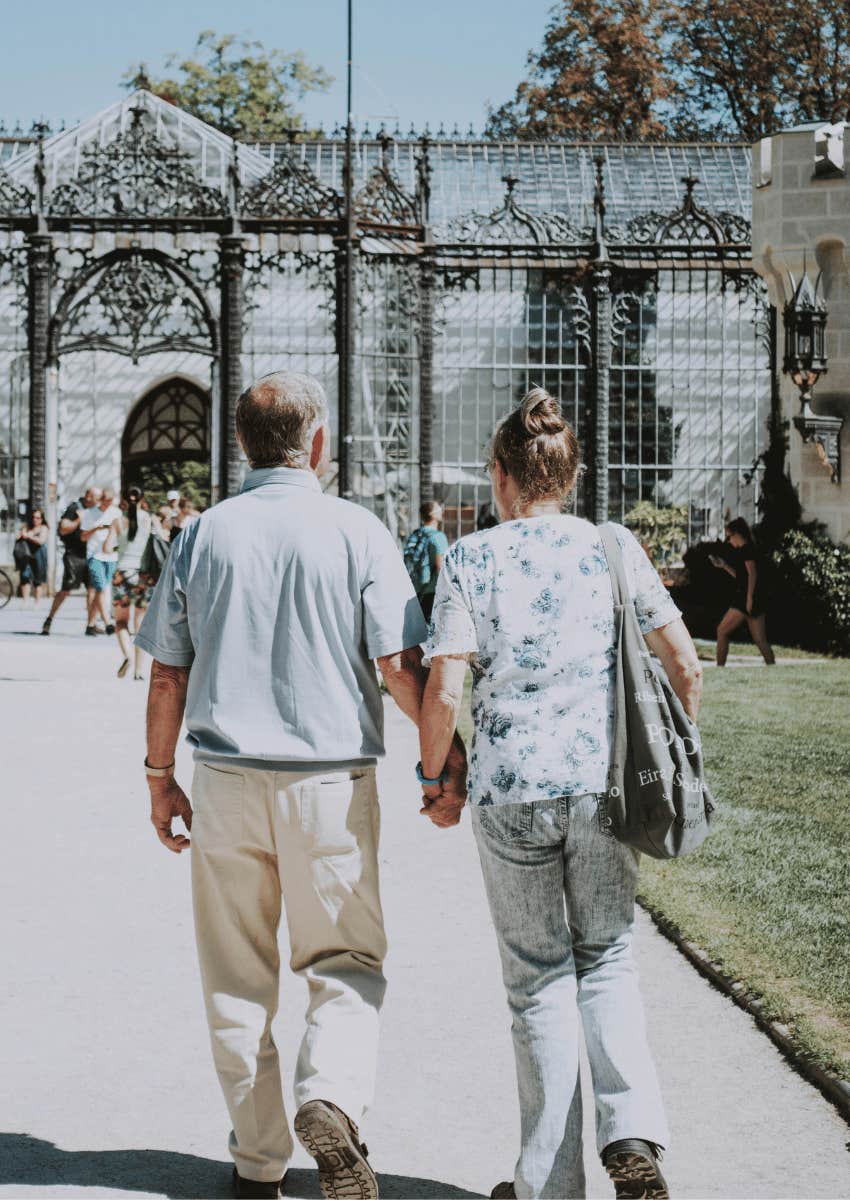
x=107 y=1085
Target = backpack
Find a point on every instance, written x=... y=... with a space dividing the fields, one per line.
x=153 y=556
x=417 y=558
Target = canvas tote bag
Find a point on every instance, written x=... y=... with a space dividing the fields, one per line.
x=658 y=799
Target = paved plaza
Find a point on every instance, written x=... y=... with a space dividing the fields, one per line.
x=107 y=1082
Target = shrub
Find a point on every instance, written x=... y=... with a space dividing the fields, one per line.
x=661 y=531
x=810 y=593
x=707 y=592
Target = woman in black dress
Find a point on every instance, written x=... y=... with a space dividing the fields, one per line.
x=748 y=602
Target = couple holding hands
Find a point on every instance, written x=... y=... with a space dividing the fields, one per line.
x=265 y=628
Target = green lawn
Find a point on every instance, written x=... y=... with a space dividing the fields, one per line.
x=745 y=649
x=768 y=894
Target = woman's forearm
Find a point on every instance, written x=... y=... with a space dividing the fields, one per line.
x=440 y=708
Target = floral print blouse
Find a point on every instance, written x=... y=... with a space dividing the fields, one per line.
x=529 y=603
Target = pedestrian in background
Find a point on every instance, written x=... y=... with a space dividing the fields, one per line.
x=173 y=503
x=100 y=563
x=187 y=514
x=529 y=605
x=130 y=589
x=748 y=603
x=32 y=555
x=74 y=573
x=162 y=520
x=424 y=551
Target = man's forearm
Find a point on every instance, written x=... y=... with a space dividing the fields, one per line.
x=405 y=680
x=166 y=703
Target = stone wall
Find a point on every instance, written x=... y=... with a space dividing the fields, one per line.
x=801 y=214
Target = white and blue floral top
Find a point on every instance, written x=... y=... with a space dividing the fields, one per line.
x=529 y=602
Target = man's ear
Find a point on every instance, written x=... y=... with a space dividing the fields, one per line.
x=317 y=448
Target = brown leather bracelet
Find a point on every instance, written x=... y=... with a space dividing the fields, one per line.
x=159 y=772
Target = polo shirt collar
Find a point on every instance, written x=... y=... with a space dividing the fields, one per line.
x=289 y=476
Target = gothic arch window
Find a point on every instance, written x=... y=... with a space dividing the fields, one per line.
x=169 y=424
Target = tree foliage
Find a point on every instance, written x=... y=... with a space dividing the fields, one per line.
x=662 y=531
x=599 y=74
x=644 y=69
x=236 y=85
x=747 y=68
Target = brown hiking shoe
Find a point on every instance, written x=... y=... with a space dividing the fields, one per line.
x=633 y=1167
x=332 y=1139
x=503 y=1191
x=255 y=1189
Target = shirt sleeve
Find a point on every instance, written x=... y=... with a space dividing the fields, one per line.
x=653 y=604
x=439 y=545
x=452 y=624
x=392 y=615
x=164 y=632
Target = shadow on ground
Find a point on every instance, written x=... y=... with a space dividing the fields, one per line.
x=27 y=1161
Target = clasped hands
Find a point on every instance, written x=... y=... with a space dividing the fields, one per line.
x=445 y=803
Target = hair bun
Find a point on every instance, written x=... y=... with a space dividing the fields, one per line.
x=541 y=413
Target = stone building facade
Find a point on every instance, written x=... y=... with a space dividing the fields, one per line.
x=801 y=226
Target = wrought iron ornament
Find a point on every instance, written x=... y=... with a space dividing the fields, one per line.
x=138 y=174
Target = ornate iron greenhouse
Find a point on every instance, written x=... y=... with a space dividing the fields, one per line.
x=150 y=267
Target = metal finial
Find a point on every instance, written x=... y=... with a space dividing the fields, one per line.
x=384 y=141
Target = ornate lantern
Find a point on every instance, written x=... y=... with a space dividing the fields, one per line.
x=804 y=318
x=805 y=335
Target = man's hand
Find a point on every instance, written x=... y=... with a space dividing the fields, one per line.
x=168 y=801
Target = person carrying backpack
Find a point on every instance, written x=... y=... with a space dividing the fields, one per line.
x=424 y=551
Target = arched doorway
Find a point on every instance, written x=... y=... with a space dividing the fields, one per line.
x=166 y=442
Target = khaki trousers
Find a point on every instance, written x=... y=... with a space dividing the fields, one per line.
x=311 y=841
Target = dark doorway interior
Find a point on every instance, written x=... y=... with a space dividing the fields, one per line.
x=166 y=443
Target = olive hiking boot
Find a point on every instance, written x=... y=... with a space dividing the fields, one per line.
x=332 y=1139
x=633 y=1167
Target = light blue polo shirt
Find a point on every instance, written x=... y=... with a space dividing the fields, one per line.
x=279 y=599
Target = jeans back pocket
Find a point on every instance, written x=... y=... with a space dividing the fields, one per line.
x=506 y=822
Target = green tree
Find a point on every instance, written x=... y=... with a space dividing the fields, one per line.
x=600 y=74
x=236 y=85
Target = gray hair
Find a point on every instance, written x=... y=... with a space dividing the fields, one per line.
x=277 y=418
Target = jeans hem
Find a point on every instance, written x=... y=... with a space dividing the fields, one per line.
x=633 y=1129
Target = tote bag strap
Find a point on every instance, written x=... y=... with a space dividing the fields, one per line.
x=616 y=565
x=620 y=592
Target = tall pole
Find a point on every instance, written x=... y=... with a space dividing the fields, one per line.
x=600 y=284
x=231 y=268
x=346 y=373
x=38 y=322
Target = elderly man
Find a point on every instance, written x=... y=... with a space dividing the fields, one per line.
x=264 y=626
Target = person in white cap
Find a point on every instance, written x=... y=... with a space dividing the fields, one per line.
x=173 y=498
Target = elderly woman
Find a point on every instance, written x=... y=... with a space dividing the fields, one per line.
x=528 y=605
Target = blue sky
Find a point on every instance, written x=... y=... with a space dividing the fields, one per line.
x=434 y=60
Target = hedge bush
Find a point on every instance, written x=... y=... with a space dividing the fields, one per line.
x=806 y=584
x=809 y=602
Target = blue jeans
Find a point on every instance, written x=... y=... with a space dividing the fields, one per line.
x=561 y=892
